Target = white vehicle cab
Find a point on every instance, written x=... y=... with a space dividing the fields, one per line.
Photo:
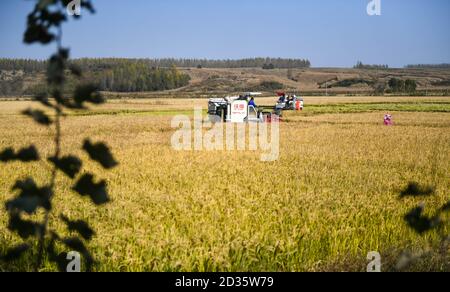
x=234 y=109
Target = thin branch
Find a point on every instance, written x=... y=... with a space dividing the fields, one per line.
x=57 y=140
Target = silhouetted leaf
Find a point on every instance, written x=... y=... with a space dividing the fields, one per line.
x=25 y=154
x=37 y=33
x=28 y=154
x=66 y=2
x=43 y=99
x=76 y=244
x=44 y=4
x=29 y=195
x=7 y=155
x=415 y=190
x=79 y=226
x=15 y=253
x=75 y=70
x=56 y=67
x=68 y=103
x=100 y=153
x=60 y=259
x=446 y=207
x=419 y=222
x=96 y=191
x=58 y=96
x=53 y=18
x=38 y=116
x=87 y=93
x=64 y=53
x=64 y=101
x=24 y=228
x=25 y=204
x=27 y=186
x=70 y=165
x=88 y=5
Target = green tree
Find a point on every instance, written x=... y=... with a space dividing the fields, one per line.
x=410 y=86
x=397 y=85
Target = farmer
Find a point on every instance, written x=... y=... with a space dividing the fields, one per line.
x=299 y=104
x=252 y=102
x=388 y=120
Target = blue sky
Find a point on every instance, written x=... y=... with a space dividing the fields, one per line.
x=330 y=33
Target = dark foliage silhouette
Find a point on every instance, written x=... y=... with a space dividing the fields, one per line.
x=421 y=222
x=44 y=26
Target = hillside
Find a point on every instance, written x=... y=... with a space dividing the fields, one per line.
x=312 y=81
x=207 y=81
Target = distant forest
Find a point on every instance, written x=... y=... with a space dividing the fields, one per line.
x=137 y=77
x=26 y=65
x=121 y=76
x=92 y=64
x=360 y=65
x=429 y=66
x=128 y=75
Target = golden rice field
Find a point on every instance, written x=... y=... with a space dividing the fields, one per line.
x=332 y=197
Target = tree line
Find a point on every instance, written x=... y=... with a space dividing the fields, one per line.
x=26 y=65
x=137 y=77
x=95 y=64
x=429 y=66
x=360 y=65
x=126 y=77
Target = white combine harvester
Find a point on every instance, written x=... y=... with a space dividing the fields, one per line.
x=236 y=109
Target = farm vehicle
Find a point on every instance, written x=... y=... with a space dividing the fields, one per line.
x=242 y=109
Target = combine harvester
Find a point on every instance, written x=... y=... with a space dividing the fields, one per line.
x=289 y=102
x=236 y=109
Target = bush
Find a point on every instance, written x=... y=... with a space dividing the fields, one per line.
x=379 y=88
x=350 y=82
x=270 y=85
x=399 y=85
x=410 y=86
x=268 y=66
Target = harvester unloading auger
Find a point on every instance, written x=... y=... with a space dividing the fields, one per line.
x=242 y=109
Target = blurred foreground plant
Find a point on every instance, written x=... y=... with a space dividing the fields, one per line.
x=44 y=26
x=421 y=223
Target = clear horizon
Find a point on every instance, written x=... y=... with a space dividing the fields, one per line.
x=329 y=33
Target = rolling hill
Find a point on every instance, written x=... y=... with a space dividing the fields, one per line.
x=312 y=81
